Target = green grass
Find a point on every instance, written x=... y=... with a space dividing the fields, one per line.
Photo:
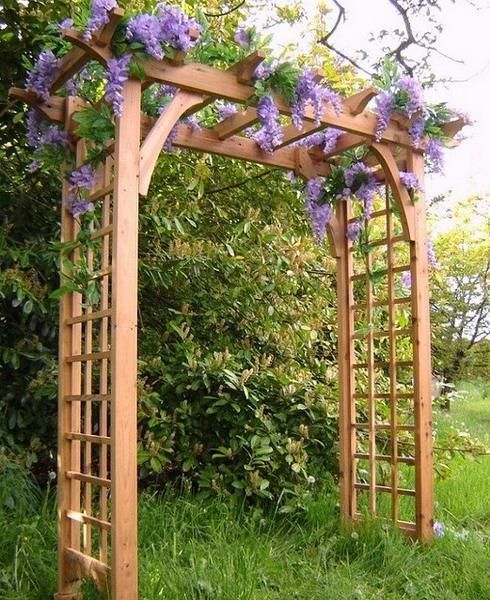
x=196 y=549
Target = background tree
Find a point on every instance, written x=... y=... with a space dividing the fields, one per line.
x=460 y=293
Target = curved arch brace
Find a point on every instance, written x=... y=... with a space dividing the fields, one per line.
x=152 y=146
x=400 y=192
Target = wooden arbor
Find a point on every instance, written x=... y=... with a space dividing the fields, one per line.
x=384 y=460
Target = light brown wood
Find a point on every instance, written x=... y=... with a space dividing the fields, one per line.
x=153 y=144
x=393 y=358
x=124 y=348
x=52 y=109
x=346 y=378
x=114 y=403
x=422 y=362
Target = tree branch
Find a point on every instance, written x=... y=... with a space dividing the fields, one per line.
x=239 y=183
x=226 y=12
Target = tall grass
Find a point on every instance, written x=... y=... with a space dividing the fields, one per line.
x=197 y=549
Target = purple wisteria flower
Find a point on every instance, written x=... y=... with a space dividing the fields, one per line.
x=406 y=279
x=168 y=145
x=78 y=205
x=82 y=178
x=330 y=138
x=192 y=122
x=34 y=166
x=309 y=91
x=438 y=529
x=42 y=75
x=146 y=29
x=169 y=26
x=242 y=37
x=176 y=27
x=354 y=230
x=116 y=74
x=431 y=254
x=384 y=109
x=318 y=214
x=99 y=16
x=361 y=183
x=411 y=88
x=33 y=133
x=65 y=24
x=410 y=181
x=416 y=130
x=271 y=134
x=434 y=156
x=225 y=109
x=265 y=70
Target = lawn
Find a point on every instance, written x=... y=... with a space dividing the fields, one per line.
x=191 y=548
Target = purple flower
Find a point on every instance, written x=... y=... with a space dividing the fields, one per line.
x=192 y=122
x=99 y=16
x=438 y=529
x=33 y=133
x=225 y=109
x=54 y=136
x=41 y=77
x=434 y=157
x=146 y=29
x=65 y=24
x=117 y=74
x=411 y=88
x=265 y=70
x=82 y=178
x=290 y=176
x=360 y=182
x=384 y=109
x=406 y=279
x=271 y=134
x=242 y=37
x=168 y=145
x=34 y=166
x=354 y=230
x=309 y=91
x=416 y=130
x=78 y=205
x=330 y=139
x=319 y=215
x=431 y=255
x=410 y=181
x=176 y=27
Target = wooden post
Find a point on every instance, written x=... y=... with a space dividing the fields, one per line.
x=124 y=348
x=68 y=384
x=422 y=360
x=345 y=359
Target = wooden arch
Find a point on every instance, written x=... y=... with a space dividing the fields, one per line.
x=97 y=506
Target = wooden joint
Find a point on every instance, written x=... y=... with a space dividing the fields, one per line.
x=304 y=165
x=356 y=103
x=104 y=37
x=245 y=69
x=52 y=109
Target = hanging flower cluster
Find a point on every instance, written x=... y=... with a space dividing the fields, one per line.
x=99 y=16
x=81 y=180
x=309 y=91
x=405 y=96
x=42 y=76
x=168 y=29
x=357 y=182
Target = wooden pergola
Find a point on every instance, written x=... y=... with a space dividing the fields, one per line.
x=97 y=511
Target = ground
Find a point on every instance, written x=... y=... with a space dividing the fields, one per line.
x=192 y=548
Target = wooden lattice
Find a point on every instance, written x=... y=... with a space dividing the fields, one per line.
x=385 y=406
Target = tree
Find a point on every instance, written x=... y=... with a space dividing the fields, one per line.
x=460 y=293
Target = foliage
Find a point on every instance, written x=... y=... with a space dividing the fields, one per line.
x=252 y=408
x=460 y=302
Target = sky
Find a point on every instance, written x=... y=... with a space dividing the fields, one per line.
x=465 y=36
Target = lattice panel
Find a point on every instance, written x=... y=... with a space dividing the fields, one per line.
x=379 y=436
x=85 y=392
